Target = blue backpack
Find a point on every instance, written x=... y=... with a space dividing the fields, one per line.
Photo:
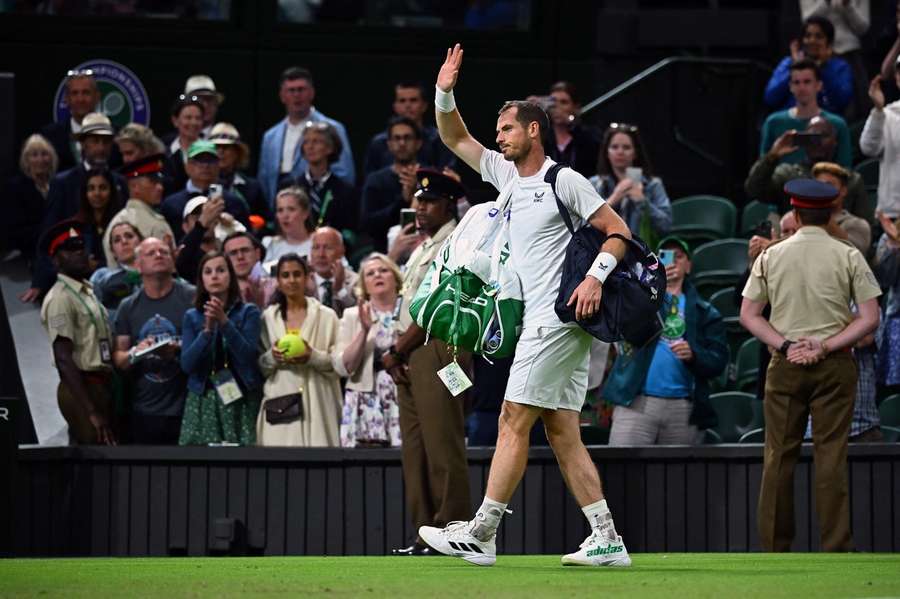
x=632 y=294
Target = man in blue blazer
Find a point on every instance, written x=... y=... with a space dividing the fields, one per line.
x=280 y=157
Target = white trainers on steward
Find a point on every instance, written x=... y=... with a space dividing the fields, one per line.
x=456 y=540
x=597 y=550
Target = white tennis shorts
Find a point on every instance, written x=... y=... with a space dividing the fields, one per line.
x=550 y=369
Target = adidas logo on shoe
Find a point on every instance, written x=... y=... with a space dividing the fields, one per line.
x=605 y=550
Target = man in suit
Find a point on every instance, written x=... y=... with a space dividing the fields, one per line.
x=331 y=282
x=82 y=97
x=280 y=155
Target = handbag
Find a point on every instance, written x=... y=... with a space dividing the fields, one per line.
x=284 y=409
x=632 y=294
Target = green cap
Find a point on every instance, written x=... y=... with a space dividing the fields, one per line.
x=202 y=146
x=677 y=241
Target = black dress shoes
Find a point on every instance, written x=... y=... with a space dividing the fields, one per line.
x=414 y=549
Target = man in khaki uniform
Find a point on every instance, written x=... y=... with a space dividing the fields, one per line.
x=78 y=327
x=809 y=279
x=432 y=423
x=145 y=192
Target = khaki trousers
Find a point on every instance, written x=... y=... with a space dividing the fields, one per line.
x=81 y=431
x=827 y=391
x=433 y=450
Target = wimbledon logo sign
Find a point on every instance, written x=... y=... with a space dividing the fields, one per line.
x=122 y=95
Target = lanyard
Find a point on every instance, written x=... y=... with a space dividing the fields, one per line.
x=83 y=303
x=324 y=207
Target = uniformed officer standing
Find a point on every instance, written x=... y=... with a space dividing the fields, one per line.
x=79 y=331
x=809 y=279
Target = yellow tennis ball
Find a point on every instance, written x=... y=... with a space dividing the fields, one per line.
x=291 y=345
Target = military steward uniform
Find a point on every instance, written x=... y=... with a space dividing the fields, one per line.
x=809 y=279
x=71 y=310
x=432 y=422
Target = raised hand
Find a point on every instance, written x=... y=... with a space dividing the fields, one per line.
x=365 y=316
x=784 y=145
x=888 y=225
x=875 y=92
x=446 y=78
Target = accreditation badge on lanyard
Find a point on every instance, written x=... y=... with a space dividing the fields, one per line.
x=102 y=342
x=226 y=387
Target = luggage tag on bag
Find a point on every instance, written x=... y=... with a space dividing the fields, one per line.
x=105 y=353
x=454 y=378
x=226 y=387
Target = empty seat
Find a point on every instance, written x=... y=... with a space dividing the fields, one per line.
x=752 y=215
x=868 y=170
x=889 y=411
x=737 y=414
x=719 y=264
x=746 y=365
x=703 y=217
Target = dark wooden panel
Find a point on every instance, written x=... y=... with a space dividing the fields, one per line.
x=811 y=515
x=754 y=479
x=295 y=543
x=394 y=514
x=882 y=506
x=333 y=500
x=276 y=497
x=256 y=509
x=716 y=507
x=24 y=507
x=514 y=535
x=237 y=502
x=59 y=507
x=374 y=510
x=354 y=511
x=802 y=506
x=635 y=515
x=695 y=497
x=656 y=507
x=121 y=504
x=218 y=500
x=860 y=480
x=554 y=503
x=158 y=543
x=316 y=510
x=737 y=507
x=198 y=502
x=139 y=506
x=896 y=494
x=40 y=492
x=178 y=510
x=100 y=508
x=80 y=522
x=613 y=475
x=676 y=507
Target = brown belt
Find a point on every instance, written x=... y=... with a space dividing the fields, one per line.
x=96 y=378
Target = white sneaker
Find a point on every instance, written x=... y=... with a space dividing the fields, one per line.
x=597 y=550
x=456 y=540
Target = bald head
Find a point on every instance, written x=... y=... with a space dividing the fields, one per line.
x=153 y=257
x=788 y=224
x=327 y=248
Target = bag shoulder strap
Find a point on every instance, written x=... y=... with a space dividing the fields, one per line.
x=550 y=177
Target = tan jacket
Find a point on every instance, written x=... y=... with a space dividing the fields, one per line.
x=145 y=219
x=364 y=377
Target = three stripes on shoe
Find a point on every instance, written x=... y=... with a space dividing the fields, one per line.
x=470 y=547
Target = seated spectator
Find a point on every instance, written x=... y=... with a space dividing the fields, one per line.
x=245 y=254
x=333 y=201
x=219 y=354
x=187 y=118
x=844 y=225
x=279 y=156
x=881 y=138
x=371 y=414
x=112 y=285
x=411 y=101
x=641 y=201
x=135 y=141
x=816 y=46
x=661 y=391
x=80 y=337
x=82 y=97
x=310 y=417
x=203 y=171
x=571 y=142
x=25 y=195
x=234 y=157
x=887 y=269
x=332 y=283
x=148 y=344
x=145 y=190
x=204 y=88
x=767 y=177
x=804 y=84
x=293 y=227
x=99 y=203
x=391 y=188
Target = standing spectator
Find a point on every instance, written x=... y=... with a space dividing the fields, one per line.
x=244 y=253
x=80 y=336
x=411 y=102
x=844 y=225
x=187 y=118
x=332 y=283
x=881 y=138
x=887 y=268
x=391 y=188
x=314 y=410
x=292 y=220
x=371 y=414
x=815 y=46
x=203 y=224
x=204 y=88
x=643 y=204
x=82 y=98
x=661 y=390
x=148 y=344
x=850 y=19
x=570 y=142
x=112 y=285
x=25 y=195
x=279 y=156
x=99 y=203
x=221 y=334
x=234 y=157
x=145 y=190
x=135 y=141
x=811 y=372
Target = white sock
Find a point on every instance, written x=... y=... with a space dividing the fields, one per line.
x=600 y=519
x=487 y=519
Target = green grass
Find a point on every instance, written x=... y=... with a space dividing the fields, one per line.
x=652 y=575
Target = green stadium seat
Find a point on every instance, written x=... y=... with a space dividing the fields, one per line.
x=855 y=130
x=737 y=414
x=868 y=170
x=891 y=434
x=703 y=217
x=746 y=365
x=723 y=301
x=718 y=264
x=757 y=435
x=592 y=434
x=711 y=437
x=889 y=411
x=754 y=213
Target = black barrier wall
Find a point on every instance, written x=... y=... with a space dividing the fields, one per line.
x=8 y=417
x=138 y=501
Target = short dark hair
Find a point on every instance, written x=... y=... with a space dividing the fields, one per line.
x=234 y=289
x=278 y=298
x=404 y=120
x=238 y=234
x=567 y=87
x=527 y=113
x=824 y=24
x=813 y=216
x=182 y=102
x=408 y=84
x=294 y=73
x=807 y=64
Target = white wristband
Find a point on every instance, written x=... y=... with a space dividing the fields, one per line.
x=444 y=101
x=603 y=265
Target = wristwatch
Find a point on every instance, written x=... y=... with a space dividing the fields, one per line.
x=785 y=346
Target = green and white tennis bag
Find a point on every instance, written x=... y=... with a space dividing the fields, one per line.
x=471 y=296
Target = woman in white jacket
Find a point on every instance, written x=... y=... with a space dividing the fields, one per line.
x=371 y=414
x=881 y=138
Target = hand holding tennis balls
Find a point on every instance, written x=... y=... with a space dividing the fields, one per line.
x=291 y=346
